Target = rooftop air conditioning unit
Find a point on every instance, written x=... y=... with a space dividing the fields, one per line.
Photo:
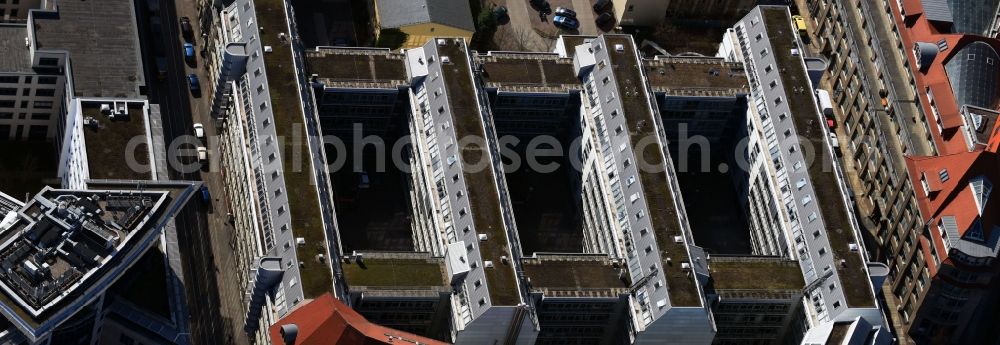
x=685 y=266
x=105 y=109
x=488 y=264
x=445 y=59
x=301 y=241
x=619 y=48
x=442 y=41
x=853 y=246
x=503 y=259
x=482 y=237
x=678 y=239
x=268 y=49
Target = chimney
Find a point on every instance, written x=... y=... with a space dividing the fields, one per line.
x=288 y=333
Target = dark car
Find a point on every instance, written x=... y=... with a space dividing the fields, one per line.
x=565 y=12
x=194 y=84
x=186 y=29
x=565 y=23
x=604 y=19
x=600 y=5
x=188 y=52
x=206 y=196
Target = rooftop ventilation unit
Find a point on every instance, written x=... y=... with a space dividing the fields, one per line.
x=619 y=48
x=685 y=266
x=678 y=239
x=442 y=42
x=445 y=59
x=853 y=246
x=482 y=237
x=268 y=49
x=488 y=264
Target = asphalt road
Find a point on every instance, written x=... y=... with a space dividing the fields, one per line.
x=197 y=221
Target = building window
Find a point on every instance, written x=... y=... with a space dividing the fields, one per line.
x=45 y=92
x=47 y=80
x=48 y=62
x=43 y=104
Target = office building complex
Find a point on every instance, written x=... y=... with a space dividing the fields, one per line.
x=64 y=248
x=445 y=258
x=922 y=140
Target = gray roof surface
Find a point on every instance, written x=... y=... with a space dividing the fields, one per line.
x=101 y=38
x=397 y=13
x=15 y=57
x=937 y=10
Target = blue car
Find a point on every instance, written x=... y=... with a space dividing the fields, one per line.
x=188 y=52
x=193 y=84
x=565 y=23
x=206 y=197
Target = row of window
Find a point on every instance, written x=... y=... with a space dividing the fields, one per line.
x=24 y=104
x=11 y=91
x=13 y=79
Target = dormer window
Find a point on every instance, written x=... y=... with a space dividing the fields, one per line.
x=981 y=188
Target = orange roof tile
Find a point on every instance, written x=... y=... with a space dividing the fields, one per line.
x=327 y=321
x=955 y=197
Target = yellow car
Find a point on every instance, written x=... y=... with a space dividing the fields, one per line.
x=800 y=23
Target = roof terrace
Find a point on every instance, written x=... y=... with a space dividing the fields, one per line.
x=696 y=76
x=283 y=84
x=854 y=280
x=659 y=198
x=116 y=140
x=528 y=72
x=357 y=66
x=576 y=275
x=483 y=200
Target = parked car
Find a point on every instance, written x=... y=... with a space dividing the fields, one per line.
x=206 y=196
x=604 y=19
x=199 y=131
x=565 y=23
x=202 y=154
x=800 y=23
x=193 y=84
x=186 y=29
x=565 y=12
x=188 y=52
x=601 y=5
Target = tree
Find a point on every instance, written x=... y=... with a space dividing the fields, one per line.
x=391 y=38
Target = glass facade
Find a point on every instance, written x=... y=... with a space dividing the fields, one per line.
x=973 y=16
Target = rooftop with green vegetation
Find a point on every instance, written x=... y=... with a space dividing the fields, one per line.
x=399 y=271
x=483 y=199
x=528 y=72
x=755 y=273
x=682 y=288
x=307 y=222
x=696 y=76
x=380 y=67
x=808 y=125
x=578 y=274
x=117 y=146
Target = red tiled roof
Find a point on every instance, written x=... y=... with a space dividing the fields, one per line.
x=955 y=197
x=935 y=77
x=327 y=321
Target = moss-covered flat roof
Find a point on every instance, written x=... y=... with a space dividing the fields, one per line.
x=397 y=273
x=530 y=70
x=572 y=273
x=854 y=280
x=483 y=199
x=108 y=150
x=357 y=65
x=659 y=199
x=755 y=273
x=696 y=76
x=307 y=222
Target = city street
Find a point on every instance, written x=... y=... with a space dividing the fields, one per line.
x=215 y=315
